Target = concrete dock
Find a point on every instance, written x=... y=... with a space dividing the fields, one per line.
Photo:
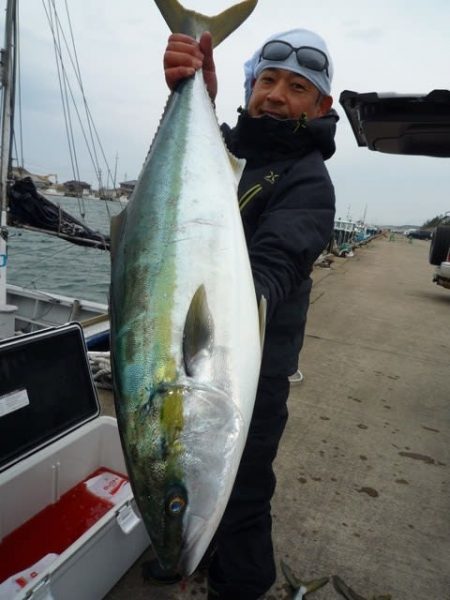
x=363 y=467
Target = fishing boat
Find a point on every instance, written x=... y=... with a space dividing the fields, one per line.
x=22 y=205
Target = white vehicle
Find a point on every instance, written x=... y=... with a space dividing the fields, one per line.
x=402 y=124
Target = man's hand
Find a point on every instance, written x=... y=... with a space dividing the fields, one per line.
x=184 y=55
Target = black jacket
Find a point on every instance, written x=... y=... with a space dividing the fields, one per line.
x=287 y=206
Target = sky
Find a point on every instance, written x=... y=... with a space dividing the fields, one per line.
x=397 y=46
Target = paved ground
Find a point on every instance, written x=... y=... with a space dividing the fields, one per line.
x=363 y=468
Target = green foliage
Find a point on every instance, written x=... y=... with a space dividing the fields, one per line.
x=434 y=222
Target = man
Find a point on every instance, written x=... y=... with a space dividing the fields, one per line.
x=285 y=132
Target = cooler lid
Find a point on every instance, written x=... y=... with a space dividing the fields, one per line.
x=46 y=390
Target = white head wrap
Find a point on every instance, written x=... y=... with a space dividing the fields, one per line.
x=296 y=37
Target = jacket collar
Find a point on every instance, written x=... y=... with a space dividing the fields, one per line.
x=265 y=138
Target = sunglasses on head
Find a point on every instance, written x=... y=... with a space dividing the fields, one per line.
x=311 y=58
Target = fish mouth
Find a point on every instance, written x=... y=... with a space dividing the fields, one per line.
x=182 y=563
x=197 y=540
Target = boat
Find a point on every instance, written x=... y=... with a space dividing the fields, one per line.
x=22 y=205
x=348 y=233
x=35 y=310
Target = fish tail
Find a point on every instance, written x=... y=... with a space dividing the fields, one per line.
x=298 y=587
x=183 y=20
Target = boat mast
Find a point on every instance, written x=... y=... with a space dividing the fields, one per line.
x=7 y=81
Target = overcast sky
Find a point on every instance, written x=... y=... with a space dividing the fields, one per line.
x=384 y=46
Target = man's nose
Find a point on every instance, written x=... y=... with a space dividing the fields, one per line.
x=278 y=92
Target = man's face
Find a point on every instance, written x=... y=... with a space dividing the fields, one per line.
x=286 y=95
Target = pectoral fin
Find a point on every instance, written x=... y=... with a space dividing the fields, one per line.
x=198 y=335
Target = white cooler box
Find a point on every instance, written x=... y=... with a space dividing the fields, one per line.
x=56 y=456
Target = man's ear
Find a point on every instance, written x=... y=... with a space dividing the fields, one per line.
x=252 y=85
x=325 y=104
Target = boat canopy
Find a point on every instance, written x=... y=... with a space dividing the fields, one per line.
x=31 y=210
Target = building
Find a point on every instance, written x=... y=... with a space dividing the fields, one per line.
x=76 y=188
x=126 y=187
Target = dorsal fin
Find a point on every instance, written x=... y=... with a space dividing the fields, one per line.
x=117 y=224
x=183 y=20
x=198 y=335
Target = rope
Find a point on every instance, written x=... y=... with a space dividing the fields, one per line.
x=63 y=92
x=100 y=364
x=94 y=142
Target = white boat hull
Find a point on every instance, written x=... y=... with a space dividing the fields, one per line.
x=36 y=310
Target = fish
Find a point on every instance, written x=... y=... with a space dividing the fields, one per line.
x=299 y=588
x=349 y=594
x=186 y=328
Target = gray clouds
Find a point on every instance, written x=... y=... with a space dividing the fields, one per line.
x=395 y=45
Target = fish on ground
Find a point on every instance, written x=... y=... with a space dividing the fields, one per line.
x=300 y=588
x=349 y=594
x=185 y=327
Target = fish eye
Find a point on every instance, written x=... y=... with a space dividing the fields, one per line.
x=175 y=504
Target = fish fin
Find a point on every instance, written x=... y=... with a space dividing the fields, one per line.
x=301 y=588
x=291 y=579
x=116 y=226
x=342 y=588
x=198 y=335
x=237 y=166
x=262 y=311
x=315 y=584
x=182 y=20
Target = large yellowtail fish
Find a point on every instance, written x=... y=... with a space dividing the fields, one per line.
x=185 y=331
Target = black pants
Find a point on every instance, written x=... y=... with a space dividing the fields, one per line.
x=243 y=566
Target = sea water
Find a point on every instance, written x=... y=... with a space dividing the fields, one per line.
x=47 y=263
